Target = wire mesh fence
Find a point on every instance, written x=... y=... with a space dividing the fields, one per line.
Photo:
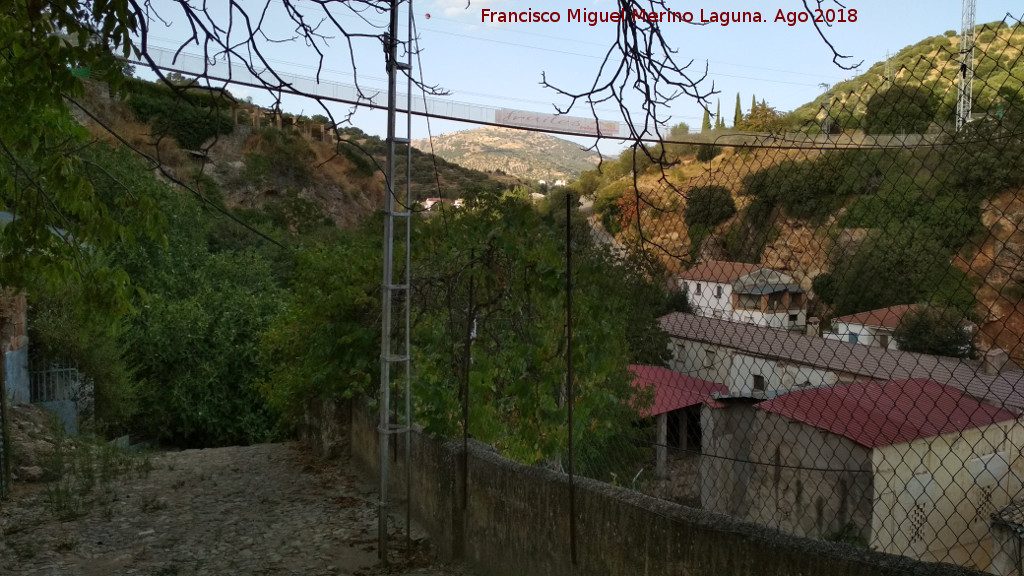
x=838 y=352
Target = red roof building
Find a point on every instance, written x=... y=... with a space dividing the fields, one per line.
x=672 y=390
x=875 y=413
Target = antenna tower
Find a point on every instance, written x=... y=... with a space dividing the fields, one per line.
x=888 y=66
x=395 y=294
x=965 y=98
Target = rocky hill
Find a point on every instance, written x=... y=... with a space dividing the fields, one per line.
x=528 y=155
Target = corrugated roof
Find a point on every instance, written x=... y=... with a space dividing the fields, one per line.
x=672 y=390
x=882 y=318
x=877 y=413
x=718 y=271
x=870 y=362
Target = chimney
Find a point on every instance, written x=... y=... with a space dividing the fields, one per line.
x=994 y=361
x=814 y=327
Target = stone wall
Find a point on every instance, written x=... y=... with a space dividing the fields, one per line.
x=511 y=519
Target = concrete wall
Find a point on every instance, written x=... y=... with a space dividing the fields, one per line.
x=515 y=522
x=865 y=335
x=725 y=468
x=16 y=374
x=808 y=483
x=736 y=371
x=936 y=495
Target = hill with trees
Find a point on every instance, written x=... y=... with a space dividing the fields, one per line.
x=527 y=155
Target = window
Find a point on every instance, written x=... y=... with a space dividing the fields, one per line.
x=883 y=340
x=792 y=318
x=718 y=291
x=758 y=383
x=854 y=338
x=775 y=301
x=698 y=288
x=796 y=300
x=709 y=358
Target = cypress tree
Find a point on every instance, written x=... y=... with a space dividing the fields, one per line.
x=705 y=126
x=753 y=102
x=738 y=117
x=719 y=123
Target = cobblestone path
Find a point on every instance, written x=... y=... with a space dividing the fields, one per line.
x=268 y=510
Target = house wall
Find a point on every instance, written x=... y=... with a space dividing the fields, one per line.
x=807 y=482
x=780 y=320
x=935 y=496
x=725 y=468
x=869 y=336
x=736 y=371
x=706 y=303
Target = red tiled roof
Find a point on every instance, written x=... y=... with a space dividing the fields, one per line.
x=673 y=390
x=718 y=271
x=868 y=362
x=882 y=318
x=877 y=413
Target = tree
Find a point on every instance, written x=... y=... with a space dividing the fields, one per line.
x=708 y=206
x=763 y=118
x=738 y=116
x=719 y=121
x=938 y=331
x=514 y=258
x=901 y=108
x=705 y=125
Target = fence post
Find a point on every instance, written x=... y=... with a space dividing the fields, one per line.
x=569 y=375
x=5 y=446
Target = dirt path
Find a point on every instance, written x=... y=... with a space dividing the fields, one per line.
x=268 y=509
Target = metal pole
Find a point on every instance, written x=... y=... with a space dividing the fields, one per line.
x=569 y=374
x=466 y=363
x=386 y=299
x=408 y=286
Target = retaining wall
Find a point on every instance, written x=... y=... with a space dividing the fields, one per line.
x=513 y=520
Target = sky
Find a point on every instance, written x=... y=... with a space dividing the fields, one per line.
x=502 y=64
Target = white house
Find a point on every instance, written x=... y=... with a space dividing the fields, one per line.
x=871 y=328
x=746 y=293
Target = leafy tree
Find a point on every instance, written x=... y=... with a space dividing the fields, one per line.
x=326 y=340
x=938 y=331
x=908 y=108
x=763 y=118
x=705 y=125
x=42 y=174
x=514 y=258
x=708 y=206
x=707 y=152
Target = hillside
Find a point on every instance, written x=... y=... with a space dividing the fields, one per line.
x=934 y=218
x=208 y=140
x=528 y=155
x=934 y=63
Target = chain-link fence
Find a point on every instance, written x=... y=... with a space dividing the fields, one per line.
x=839 y=354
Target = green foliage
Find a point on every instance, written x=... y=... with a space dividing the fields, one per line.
x=939 y=331
x=763 y=118
x=901 y=264
x=902 y=108
x=42 y=173
x=705 y=124
x=326 y=342
x=707 y=152
x=280 y=161
x=738 y=116
x=190 y=116
x=708 y=206
x=515 y=260
x=194 y=338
